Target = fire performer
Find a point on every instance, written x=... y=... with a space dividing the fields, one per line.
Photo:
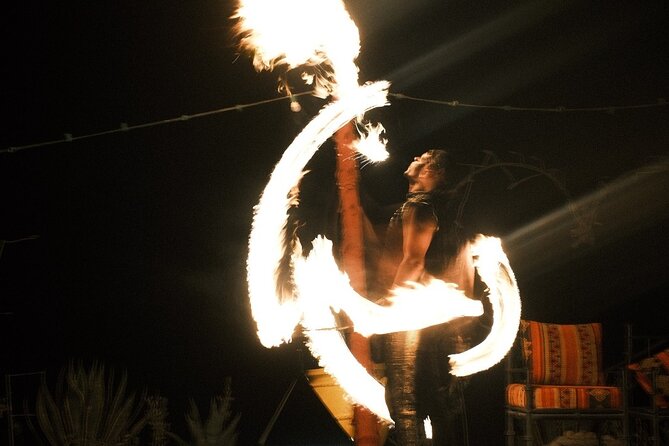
x=424 y=239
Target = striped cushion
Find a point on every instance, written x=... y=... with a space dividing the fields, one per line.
x=564 y=355
x=643 y=372
x=565 y=397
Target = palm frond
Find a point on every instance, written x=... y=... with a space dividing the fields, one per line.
x=82 y=412
x=220 y=427
x=49 y=417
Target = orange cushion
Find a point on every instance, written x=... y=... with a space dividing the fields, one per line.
x=565 y=397
x=564 y=355
x=643 y=372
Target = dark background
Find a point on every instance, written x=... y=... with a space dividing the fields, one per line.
x=139 y=259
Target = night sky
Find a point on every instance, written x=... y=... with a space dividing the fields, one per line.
x=130 y=248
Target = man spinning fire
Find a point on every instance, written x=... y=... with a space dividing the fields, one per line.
x=425 y=240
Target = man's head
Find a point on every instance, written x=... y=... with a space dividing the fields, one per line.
x=428 y=171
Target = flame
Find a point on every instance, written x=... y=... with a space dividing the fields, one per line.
x=494 y=269
x=324 y=289
x=427 y=425
x=324 y=341
x=295 y=33
x=412 y=307
x=371 y=144
x=300 y=32
x=276 y=319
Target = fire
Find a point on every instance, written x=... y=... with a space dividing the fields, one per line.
x=300 y=32
x=371 y=144
x=412 y=307
x=494 y=269
x=324 y=341
x=277 y=316
x=295 y=33
x=324 y=289
x=427 y=425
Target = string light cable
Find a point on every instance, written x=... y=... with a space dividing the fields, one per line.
x=68 y=137
x=124 y=127
x=661 y=102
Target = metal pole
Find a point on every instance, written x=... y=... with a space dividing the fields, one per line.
x=277 y=412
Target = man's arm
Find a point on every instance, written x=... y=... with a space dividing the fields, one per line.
x=417 y=232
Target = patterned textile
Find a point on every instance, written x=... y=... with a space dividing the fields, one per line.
x=565 y=397
x=643 y=371
x=563 y=355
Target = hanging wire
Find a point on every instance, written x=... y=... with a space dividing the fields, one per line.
x=610 y=109
x=68 y=137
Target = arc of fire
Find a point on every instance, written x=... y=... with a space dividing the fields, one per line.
x=320 y=287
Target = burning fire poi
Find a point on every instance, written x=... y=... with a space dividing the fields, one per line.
x=304 y=32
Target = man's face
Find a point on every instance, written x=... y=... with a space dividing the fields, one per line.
x=422 y=177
